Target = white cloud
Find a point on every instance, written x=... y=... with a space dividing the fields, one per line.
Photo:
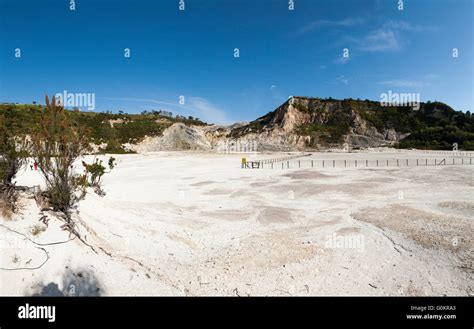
x=207 y=111
x=407 y=26
x=389 y=37
x=381 y=40
x=200 y=107
x=144 y=100
x=341 y=60
x=348 y=22
x=403 y=83
x=343 y=79
x=339 y=80
x=419 y=82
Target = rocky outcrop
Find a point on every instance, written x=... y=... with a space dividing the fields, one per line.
x=312 y=123
x=300 y=123
x=177 y=137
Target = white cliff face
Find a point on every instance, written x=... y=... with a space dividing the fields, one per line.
x=177 y=137
x=276 y=131
x=288 y=118
x=279 y=129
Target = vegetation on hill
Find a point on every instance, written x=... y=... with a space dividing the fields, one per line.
x=333 y=125
x=102 y=127
x=434 y=125
x=12 y=158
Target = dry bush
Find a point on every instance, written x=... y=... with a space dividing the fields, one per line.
x=40 y=199
x=56 y=144
x=13 y=152
x=5 y=209
x=37 y=229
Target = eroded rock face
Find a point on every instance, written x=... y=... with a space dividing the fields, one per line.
x=282 y=128
x=177 y=137
x=288 y=118
x=298 y=124
x=361 y=127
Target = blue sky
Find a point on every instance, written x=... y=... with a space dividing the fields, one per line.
x=190 y=53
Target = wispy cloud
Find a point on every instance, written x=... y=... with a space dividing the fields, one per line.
x=407 y=26
x=341 y=60
x=403 y=83
x=343 y=80
x=419 y=82
x=381 y=40
x=276 y=93
x=197 y=106
x=144 y=100
x=390 y=37
x=207 y=111
x=339 y=80
x=348 y=22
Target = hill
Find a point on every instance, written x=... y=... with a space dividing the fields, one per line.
x=299 y=123
x=304 y=122
x=111 y=131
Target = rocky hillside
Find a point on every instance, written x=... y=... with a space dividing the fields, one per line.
x=315 y=123
x=300 y=123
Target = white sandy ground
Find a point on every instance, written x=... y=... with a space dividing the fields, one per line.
x=198 y=224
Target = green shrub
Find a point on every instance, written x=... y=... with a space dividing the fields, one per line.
x=93 y=173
